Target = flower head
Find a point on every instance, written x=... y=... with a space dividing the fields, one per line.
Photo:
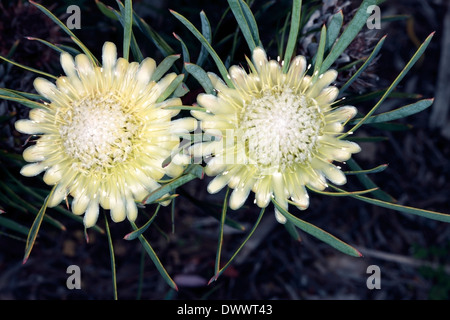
x=275 y=133
x=104 y=134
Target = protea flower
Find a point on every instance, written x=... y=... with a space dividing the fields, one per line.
x=104 y=134
x=275 y=133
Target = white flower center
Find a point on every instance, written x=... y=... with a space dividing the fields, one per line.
x=280 y=129
x=97 y=132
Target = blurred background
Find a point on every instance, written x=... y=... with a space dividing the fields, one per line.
x=411 y=252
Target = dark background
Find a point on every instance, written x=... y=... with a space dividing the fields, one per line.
x=412 y=252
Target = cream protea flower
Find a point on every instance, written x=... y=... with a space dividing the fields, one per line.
x=278 y=133
x=104 y=134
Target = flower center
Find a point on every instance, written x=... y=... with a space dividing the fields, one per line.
x=280 y=129
x=98 y=132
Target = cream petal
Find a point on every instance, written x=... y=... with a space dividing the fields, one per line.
x=58 y=195
x=68 y=64
x=34 y=154
x=118 y=210
x=327 y=96
x=91 y=214
x=278 y=185
x=296 y=70
x=342 y=114
x=33 y=169
x=45 y=88
x=30 y=127
x=146 y=70
x=132 y=210
x=263 y=194
x=80 y=204
x=163 y=84
x=173 y=170
x=280 y=217
x=109 y=55
x=53 y=175
x=323 y=81
x=238 y=76
x=330 y=171
x=84 y=66
x=239 y=196
x=39 y=115
x=259 y=57
x=183 y=125
x=218 y=183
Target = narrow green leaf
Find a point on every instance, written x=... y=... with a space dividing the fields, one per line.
x=293 y=33
x=184 y=49
x=25 y=102
x=399 y=113
x=66 y=30
x=112 y=258
x=171 y=88
x=136 y=233
x=377 y=169
x=405 y=209
x=127 y=28
x=368 y=183
x=207 y=45
x=246 y=22
x=106 y=10
x=45 y=74
x=221 y=226
x=217 y=275
x=290 y=227
x=318 y=233
x=405 y=70
x=365 y=64
x=207 y=34
x=13 y=225
x=333 y=29
x=338 y=194
x=155 y=259
x=352 y=30
x=164 y=66
x=32 y=235
x=48 y=44
x=201 y=76
x=318 y=58
x=194 y=172
x=20 y=94
x=153 y=36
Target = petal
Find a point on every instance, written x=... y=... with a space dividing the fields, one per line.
x=58 y=195
x=327 y=96
x=53 y=175
x=80 y=204
x=118 y=210
x=296 y=70
x=341 y=114
x=239 y=196
x=323 y=81
x=183 y=125
x=145 y=72
x=68 y=64
x=33 y=154
x=280 y=217
x=132 y=210
x=91 y=215
x=45 y=88
x=218 y=183
x=30 y=127
x=33 y=169
x=259 y=57
x=109 y=55
x=83 y=65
